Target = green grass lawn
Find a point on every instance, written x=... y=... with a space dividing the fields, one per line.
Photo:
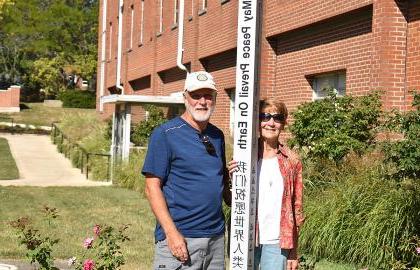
x=8 y=169
x=79 y=210
x=39 y=115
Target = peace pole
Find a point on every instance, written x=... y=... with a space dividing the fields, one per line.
x=244 y=191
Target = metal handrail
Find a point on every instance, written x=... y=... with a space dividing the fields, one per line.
x=84 y=167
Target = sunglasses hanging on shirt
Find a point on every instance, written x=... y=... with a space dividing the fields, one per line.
x=209 y=146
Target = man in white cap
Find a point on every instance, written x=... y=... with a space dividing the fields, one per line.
x=186 y=177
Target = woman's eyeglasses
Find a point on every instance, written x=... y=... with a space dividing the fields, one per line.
x=265 y=117
x=209 y=146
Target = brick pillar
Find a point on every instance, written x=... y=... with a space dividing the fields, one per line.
x=389 y=28
x=15 y=96
x=9 y=99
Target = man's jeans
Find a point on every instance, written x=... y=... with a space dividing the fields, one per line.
x=270 y=257
x=205 y=254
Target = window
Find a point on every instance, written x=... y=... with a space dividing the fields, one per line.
x=176 y=12
x=132 y=27
x=161 y=16
x=322 y=83
x=142 y=22
x=110 y=41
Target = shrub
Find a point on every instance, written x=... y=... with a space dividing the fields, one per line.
x=39 y=247
x=142 y=131
x=103 y=251
x=360 y=218
x=333 y=127
x=78 y=99
x=405 y=154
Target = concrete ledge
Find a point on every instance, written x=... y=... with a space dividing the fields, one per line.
x=53 y=103
x=7 y=267
x=24 y=126
x=9 y=109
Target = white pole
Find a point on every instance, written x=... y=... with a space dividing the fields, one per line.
x=244 y=190
x=103 y=55
x=120 y=36
x=180 y=36
x=126 y=132
x=113 y=142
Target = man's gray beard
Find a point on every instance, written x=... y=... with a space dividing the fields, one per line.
x=199 y=117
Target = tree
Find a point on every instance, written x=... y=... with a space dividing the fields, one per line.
x=37 y=30
x=46 y=73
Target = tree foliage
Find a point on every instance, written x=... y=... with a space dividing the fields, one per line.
x=48 y=32
x=46 y=73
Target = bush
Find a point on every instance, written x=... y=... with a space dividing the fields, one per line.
x=78 y=99
x=142 y=131
x=333 y=127
x=127 y=174
x=359 y=218
x=405 y=154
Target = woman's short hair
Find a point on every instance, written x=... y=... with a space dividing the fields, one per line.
x=279 y=106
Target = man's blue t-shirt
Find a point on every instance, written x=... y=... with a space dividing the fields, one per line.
x=192 y=178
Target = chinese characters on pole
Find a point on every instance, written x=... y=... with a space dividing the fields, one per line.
x=245 y=142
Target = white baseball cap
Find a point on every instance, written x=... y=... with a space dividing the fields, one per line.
x=199 y=80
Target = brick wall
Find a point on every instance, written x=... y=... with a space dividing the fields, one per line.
x=338 y=43
x=375 y=42
x=9 y=99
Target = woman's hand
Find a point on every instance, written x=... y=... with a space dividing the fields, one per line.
x=232 y=167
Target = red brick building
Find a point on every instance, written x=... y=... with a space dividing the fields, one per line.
x=356 y=46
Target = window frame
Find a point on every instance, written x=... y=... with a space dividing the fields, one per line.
x=160 y=17
x=338 y=79
x=141 y=22
x=131 y=28
x=110 y=41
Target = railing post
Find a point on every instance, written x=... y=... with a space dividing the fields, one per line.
x=87 y=166
x=53 y=132
x=81 y=161
x=108 y=168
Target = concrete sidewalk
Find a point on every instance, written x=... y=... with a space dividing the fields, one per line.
x=25 y=265
x=40 y=164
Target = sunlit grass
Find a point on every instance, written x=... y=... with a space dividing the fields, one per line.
x=39 y=115
x=79 y=210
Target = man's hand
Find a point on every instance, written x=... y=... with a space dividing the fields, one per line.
x=177 y=245
x=292 y=264
x=175 y=240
